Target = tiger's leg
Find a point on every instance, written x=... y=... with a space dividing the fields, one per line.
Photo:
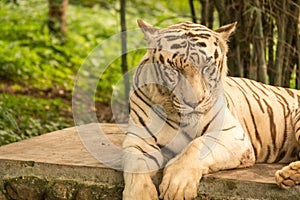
x=228 y=148
x=289 y=175
x=138 y=168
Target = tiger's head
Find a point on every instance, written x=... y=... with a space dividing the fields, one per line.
x=184 y=66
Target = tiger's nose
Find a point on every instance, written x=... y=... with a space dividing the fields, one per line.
x=191 y=104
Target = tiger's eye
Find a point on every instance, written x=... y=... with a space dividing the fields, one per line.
x=204 y=70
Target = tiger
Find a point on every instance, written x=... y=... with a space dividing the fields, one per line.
x=189 y=118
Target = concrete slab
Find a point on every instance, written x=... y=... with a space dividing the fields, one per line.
x=64 y=147
x=66 y=160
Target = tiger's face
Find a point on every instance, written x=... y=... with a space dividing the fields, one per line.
x=188 y=63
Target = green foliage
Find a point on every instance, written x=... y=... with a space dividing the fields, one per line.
x=31 y=58
x=27 y=53
x=23 y=117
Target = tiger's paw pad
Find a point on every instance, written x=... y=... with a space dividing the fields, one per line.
x=289 y=175
x=178 y=184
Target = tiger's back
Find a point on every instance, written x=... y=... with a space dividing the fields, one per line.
x=269 y=115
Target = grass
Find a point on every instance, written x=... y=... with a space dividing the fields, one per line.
x=23 y=117
x=35 y=67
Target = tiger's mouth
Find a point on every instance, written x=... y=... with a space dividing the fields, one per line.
x=195 y=113
x=187 y=111
x=191 y=113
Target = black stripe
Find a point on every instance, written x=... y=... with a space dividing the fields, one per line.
x=249 y=87
x=268 y=151
x=229 y=128
x=284 y=101
x=194 y=54
x=228 y=83
x=228 y=98
x=166 y=150
x=200 y=29
x=216 y=54
x=281 y=155
x=175 y=54
x=185 y=134
x=198 y=35
x=221 y=65
x=254 y=94
x=168 y=121
x=285 y=132
x=251 y=139
x=208 y=124
x=203 y=52
x=148 y=155
x=132 y=101
x=202 y=44
x=157 y=71
x=213 y=71
x=298 y=129
x=161 y=58
x=243 y=91
x=144 y=125
x=137 y=92
x=171 y=37
x=187 y=50
x=176 y=46
x=170 y=62
x=259 y=88
x=273 y=130
x=139 y=71
x=290 y=92
x=239 y=86
x=252 y=118
x=153 y=146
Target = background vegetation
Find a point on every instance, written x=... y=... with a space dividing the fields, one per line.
x=39 y=60
x=37 y=70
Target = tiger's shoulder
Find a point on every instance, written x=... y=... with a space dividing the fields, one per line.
x=248 y=87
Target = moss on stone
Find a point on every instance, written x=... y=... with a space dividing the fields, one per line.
x=62 y=190
x=99 y=191
x=35 y=188
x=29 y=188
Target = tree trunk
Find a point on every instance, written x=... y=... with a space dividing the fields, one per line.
x=207 y=13
x=57 y=17
x=298 y=54
x=221 y=8
x=280 y=48
x=234 y=59
x=192 y=8
x=270 y=44
x=259 y=45
x=124 y=49
x=291 y=42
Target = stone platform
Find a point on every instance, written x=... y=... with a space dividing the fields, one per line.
x=65 y=165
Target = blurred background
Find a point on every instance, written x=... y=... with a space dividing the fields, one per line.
x=43 y=43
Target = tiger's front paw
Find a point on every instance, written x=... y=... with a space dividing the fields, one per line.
x=139 y=186
x=179 y=182
x=289 y=175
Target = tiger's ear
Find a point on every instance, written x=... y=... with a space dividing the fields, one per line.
x=226 y=30
x=147 y=29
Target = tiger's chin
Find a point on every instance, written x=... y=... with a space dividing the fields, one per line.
x=193 y=116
